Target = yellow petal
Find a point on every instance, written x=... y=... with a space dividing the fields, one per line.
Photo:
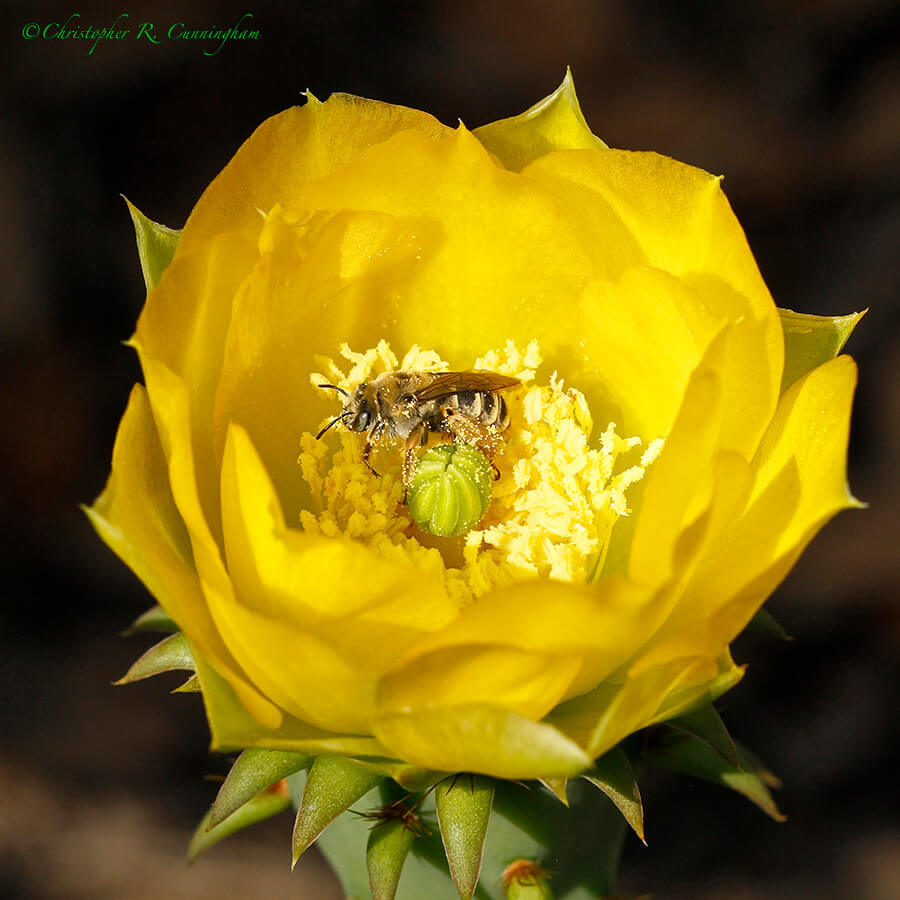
x=652 y=334
x=482 y=233
x=505 y=262
x=171 y=404
x=554 y=123
x=482 y=739
x=638 y=210
x=678 y=481
x=137 y=516
x=172 y=415
x=182 y=328
x=600 y=719
x=750 y=372
x=639 y=216
x=527 y=683
x=799 y=483
x=233 y=728
x=301 y=578
x=760 y=517
x=286 y=151
x=319 y=282
x=672 y=216
x=600 y=625
x=330 y=614
x=720 y=496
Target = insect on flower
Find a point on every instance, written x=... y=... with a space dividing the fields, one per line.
x=411 y=405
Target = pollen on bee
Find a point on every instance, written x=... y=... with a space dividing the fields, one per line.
x=555 y=502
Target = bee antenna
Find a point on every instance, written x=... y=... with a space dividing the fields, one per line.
x=334 y=387
x=334 y=421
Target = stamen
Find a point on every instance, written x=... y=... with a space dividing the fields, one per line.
x=554 y=506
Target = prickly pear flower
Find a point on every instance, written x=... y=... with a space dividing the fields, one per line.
x=673 y=443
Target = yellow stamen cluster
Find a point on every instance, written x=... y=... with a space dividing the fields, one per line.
x=554 y=504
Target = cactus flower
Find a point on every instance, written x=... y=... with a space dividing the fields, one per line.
x=675 y=443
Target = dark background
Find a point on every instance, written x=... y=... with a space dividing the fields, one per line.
x=798 y=103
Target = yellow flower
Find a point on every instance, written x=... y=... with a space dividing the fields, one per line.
x=615 y=566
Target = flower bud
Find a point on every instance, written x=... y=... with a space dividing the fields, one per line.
x=526 y=880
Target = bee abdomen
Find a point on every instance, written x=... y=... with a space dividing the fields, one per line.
x=483 y=406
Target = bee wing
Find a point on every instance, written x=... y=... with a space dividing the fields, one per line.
x=442 y=384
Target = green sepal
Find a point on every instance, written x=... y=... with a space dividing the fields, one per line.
x=706 y=725
x=810 y=341
x=154 y=619
x=581 y=845
x=156 y=244
x=763 y=622
x=463 y=804
x=169 y=654
x=680 y=752
x=234 y=729
x=333 y=785
x=386 y=850
x=272 y=801
x=557 y=787
x=613 y=774
x=191 y=686
x=752 y=762
x=253 y=772
x=554 y=123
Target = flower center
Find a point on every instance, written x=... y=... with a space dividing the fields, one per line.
x=554 y=503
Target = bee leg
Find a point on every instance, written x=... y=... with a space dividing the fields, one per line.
x=416 y=438
x=371 y=438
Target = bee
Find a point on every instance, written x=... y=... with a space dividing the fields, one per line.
x=412 y=405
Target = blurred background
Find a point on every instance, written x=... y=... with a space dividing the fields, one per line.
x=797 y=103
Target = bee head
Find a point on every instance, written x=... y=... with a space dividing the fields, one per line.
x=358 y=412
